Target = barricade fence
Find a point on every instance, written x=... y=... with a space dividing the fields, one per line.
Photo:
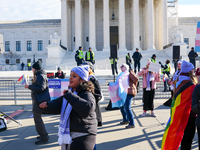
x=13 y=90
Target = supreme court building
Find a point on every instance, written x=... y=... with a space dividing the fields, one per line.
x=129 y=23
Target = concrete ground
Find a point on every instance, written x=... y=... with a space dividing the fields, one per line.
x=147 y=134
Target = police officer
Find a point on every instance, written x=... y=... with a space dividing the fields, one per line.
x=153 y=58
x=29 y=65
x=113 y=65
x=89 y=56
x=128 y=60
x=192 y=56
x=166 y=71
x=137 y=56
x=79 y=57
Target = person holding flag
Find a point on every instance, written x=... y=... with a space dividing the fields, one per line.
x=181 y=125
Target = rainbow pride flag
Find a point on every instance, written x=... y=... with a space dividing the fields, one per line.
x=197 y=42
x=23 y=79
x=180 y=112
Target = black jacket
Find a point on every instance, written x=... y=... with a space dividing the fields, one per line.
x=82 y=116
x=98 y=96
x=195 y=104
x=137 y=56
x=39 y=90
x=62 y=76
x=192 y=55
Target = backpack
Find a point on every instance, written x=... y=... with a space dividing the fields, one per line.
x=3 y=124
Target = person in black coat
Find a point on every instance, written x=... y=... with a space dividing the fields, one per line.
x=79 y=104
x=192 y=56
x=59 y=74
x=196 y=108
x=137 y=56
x=79 y=57
x=39 y=93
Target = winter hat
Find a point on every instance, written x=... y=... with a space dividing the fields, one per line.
x=37 y=65
x=89 y=64
x=180 y=61
x=186 y=66
x=125 y=65
x=59 y=68
x=82 y=71
x=154 y=55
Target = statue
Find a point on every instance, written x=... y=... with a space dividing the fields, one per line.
x=54 y=40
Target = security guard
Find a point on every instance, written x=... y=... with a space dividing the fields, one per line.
x=89 y=56
x=29 y=65
x=166 y=71
x=128 y=60
x=113 y=65
x=153 y=58
x=79 y=57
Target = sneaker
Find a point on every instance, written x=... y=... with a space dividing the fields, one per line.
x=153 y=115
x=41 y=141
x=144 y=114
x=130 y=126
x=124 y=122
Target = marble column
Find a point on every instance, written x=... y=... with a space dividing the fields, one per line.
x=64 y=17
x=150 y=25
x=122 y=31
x=106 y=26
x=78 y=24
x=135 y=25
x=164 y=22
x=92 y=26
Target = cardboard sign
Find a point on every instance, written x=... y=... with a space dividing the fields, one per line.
x=154 y=67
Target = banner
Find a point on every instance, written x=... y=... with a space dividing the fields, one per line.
x=56 y=87
x=197 y=42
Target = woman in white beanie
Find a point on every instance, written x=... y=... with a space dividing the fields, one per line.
x=181 y=125
x=78 y=124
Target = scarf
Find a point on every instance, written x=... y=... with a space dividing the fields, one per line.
x=150 y=77
x=181 y=78
x=64 y=126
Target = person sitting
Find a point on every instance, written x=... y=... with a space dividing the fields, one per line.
x=59 y=74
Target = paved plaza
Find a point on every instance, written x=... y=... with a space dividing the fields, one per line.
x=147 y=134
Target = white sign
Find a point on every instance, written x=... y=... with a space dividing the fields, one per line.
x=154 y=67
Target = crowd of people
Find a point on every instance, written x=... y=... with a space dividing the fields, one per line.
x=79 y=108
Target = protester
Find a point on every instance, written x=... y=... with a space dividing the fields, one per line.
x=97 y=93
x=196 y=108
x=181 y=125
x=39 y=93
x=137 y=56
x=171 y=82
x=149 y=86
x=128 y=82
x=59 y=74
x=166 y=73
x=78 y=125
x=192 y=56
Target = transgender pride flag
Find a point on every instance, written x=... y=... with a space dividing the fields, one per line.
x=197 y=42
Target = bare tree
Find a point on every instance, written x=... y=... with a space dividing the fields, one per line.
x=12 y=57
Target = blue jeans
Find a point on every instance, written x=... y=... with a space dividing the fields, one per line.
x=126 y=111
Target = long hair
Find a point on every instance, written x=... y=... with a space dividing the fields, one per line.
x=91 y=72
x=34 y=75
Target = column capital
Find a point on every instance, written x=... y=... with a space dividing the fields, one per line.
x=144 y=3
x=69 y=4
x=156 y=2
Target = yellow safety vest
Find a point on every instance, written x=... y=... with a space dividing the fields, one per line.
x=167 y=69
x=29 y=64
x=111 y=61
x=80 y=54
x=88 y=55
x=154 y=61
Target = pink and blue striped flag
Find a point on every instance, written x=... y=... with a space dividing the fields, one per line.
x=197 y=42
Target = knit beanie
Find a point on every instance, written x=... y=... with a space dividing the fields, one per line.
x=37 y=65
x=82 y=71
x=180 y=61
x=186 y=66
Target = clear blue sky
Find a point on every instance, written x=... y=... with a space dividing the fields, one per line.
x=51 y=9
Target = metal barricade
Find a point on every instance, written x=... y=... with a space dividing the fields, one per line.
x=7 y=90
